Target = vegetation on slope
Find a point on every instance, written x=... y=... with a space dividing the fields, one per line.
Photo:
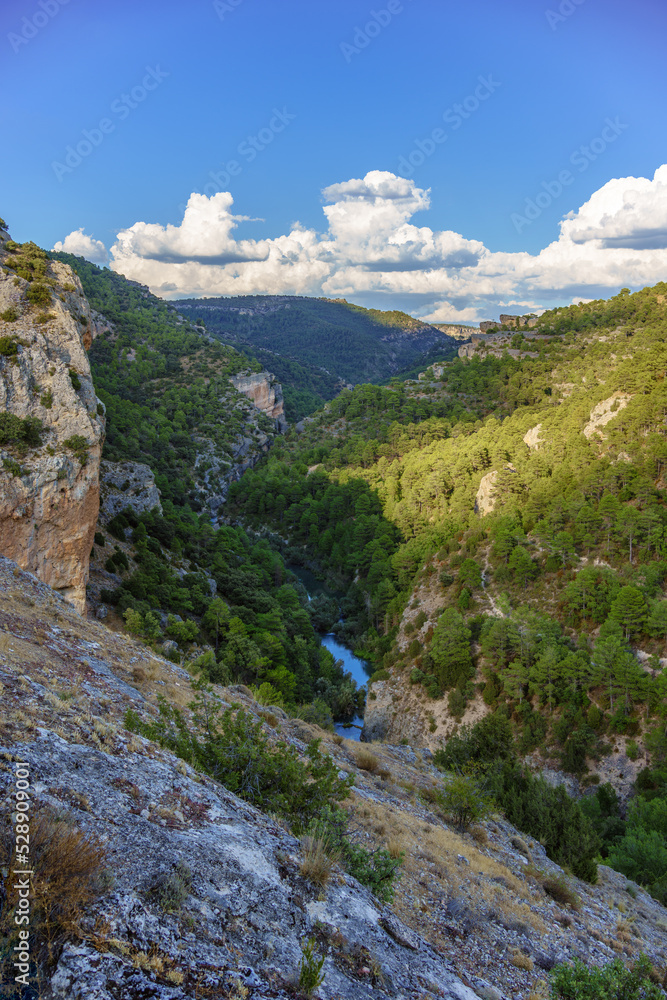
x=348 y=341
x=165 y=386
x=575 y=542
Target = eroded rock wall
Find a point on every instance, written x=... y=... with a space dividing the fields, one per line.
x=49 y=494
x=265 y=393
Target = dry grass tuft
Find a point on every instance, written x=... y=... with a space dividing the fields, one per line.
x=367 y=761
x=319 y=859
x=480 y=836
x=559 y=890
x=337 y=738
x=521 y=961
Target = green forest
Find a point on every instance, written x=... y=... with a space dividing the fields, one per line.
x=327 y=337
x=381 y=491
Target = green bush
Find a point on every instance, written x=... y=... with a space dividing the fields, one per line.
x=310 y=968
x=9 y=348
x=610 y=982
x=46 y=399
x=12 y=467
x=9 y=315
x=464 y=801
x=170 y=891
x=20 y=434
x=489 y=742
x=39 y=294
x=235 y=751
x=549 y=815
x=74 y=379
x=79 y=445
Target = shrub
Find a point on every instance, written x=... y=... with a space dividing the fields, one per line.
x=559 y=890
x=117 y=526
x=8 y=347
x=549 y=815
x=74 y=379
x=20 y=434
x=310 y=968
x=170 y=891
x=46 y=399
x=13 y=468
x=235 y=750
x=68 y=867
x=79 y=445
x=9 y=315
x=464 y=801
x=576 y=981
x=39 y=293
x=100 y=539
x=487 y=743
x=367 y=761
x=320 y=855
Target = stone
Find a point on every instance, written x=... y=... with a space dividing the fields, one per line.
x=605 y=411
x=127 y=484
x=266 y=393
x=48 y=512
x=101 y=612
x=532 y=437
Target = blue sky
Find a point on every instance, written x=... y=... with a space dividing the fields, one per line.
x=553 y=76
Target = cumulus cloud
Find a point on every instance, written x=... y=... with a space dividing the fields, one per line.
x=82 y=245
x=203 y=237
x=372 y=252
x=626 y=213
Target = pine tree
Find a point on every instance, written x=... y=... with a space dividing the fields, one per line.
x=522 y=565
x=450 y=657
x=629 y=610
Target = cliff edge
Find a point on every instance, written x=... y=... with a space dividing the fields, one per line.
x=51 y=421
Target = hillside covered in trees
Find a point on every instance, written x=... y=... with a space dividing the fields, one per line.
x=537 y=480
x=318 y=340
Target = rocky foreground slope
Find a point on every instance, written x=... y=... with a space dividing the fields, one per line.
x=49 y=473
x=198 y=894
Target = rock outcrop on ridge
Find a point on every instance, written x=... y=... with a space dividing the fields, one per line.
x=265 y=393
x=49 y=483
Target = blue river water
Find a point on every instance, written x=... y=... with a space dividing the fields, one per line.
x=360 y=669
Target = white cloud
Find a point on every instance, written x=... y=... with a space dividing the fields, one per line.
x=204 y=236
x=373 y=252
x=82 y=245
x=626 y=213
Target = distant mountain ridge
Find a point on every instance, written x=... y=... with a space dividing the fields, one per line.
x=336 y=337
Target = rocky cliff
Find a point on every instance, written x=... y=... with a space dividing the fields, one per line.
x=52 y=423
x=200 y=894
x=265 y=393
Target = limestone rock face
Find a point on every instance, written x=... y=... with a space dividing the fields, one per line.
x=533 y=437
x=266 y=394
x=127 y=484
x=49 y=495
x=484 y=500
x=604 y=412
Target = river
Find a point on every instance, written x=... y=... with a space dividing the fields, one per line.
x=360 y=669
